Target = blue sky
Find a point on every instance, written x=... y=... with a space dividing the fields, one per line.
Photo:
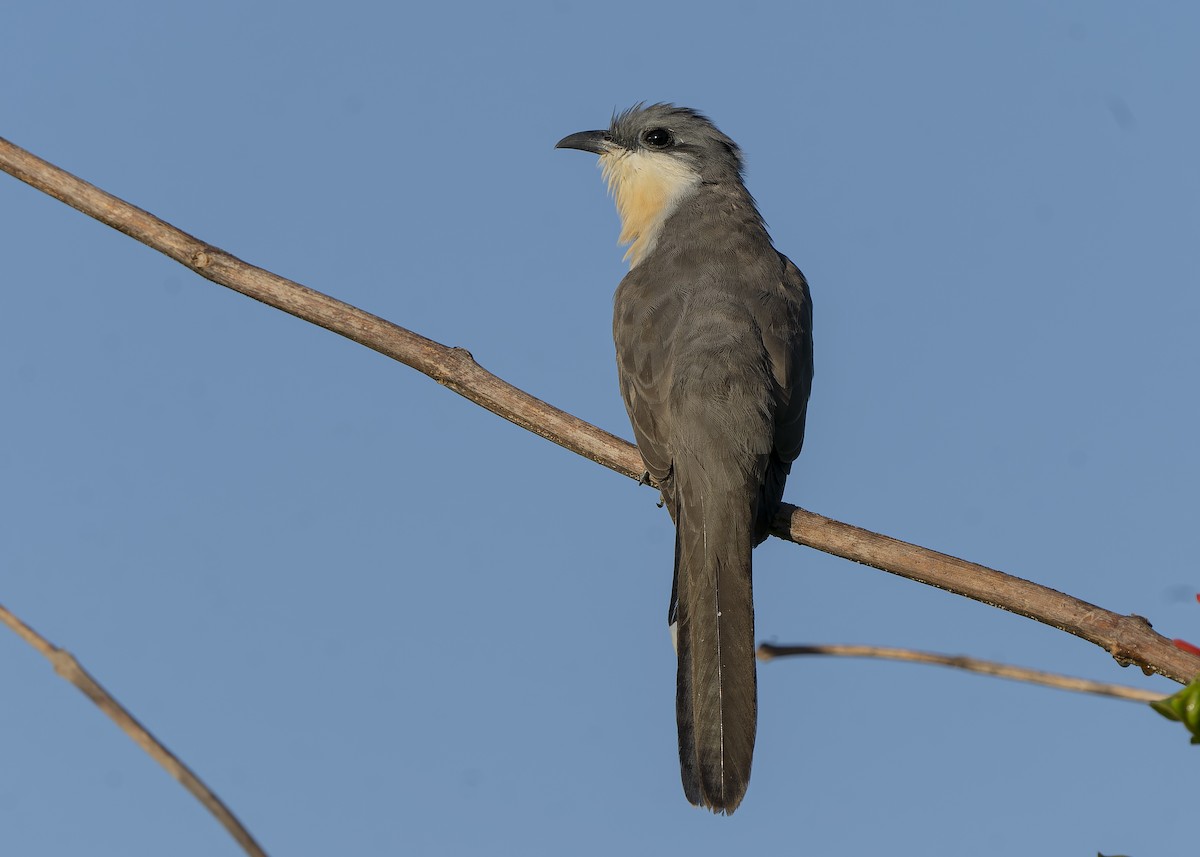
x=379 y=620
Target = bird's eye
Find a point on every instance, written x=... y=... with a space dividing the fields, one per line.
x=658 y=138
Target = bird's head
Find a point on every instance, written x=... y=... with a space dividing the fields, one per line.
x=654 y=158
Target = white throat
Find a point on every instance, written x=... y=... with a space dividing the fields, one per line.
x=647 y=186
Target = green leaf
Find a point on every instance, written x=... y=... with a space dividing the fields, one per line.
x=1184 y=707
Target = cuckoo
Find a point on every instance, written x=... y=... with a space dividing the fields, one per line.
x=713 y=333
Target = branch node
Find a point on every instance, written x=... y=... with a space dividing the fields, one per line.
x=1122 y=659
x=1141 y=619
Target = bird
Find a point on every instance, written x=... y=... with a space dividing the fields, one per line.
x=713 y=333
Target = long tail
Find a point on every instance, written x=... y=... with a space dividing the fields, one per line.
x=716 y=686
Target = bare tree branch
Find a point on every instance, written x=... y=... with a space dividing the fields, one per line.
x=1129 y=639
x=770 y=651
x=69 y=668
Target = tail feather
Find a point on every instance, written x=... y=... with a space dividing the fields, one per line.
x=716 y=686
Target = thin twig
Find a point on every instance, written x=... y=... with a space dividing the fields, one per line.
x=69 y=668
x=770 y=651
x=1129 y=639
